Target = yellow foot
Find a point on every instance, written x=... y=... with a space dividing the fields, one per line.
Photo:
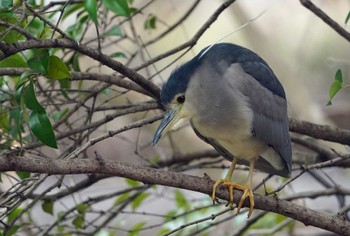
x=215 y=187
x=247 y=192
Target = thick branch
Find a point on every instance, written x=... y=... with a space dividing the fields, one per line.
x=324 y=132
x=178 y=180
x=110 y=79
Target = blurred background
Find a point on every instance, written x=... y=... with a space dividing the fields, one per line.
x=304 y=53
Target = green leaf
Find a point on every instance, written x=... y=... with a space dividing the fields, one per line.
x=11 y=17
x=75 y=62
x=14 y=61
x=118 y=54
x=91 y=8
x=155 y=160
x=70 y=9
x=106 y=91
x=163 y=231
x=132 y=183
x=181 y=201
x=39 y=60
x=23 y=79
x=16 y=129
x=12 y=230
x=57 y=69
x=7 y=36
x=4 y=120
x=47 y=206
x=136 y=229
x=339 y=76
x=75 y=30
x=335 y=86
x=32 y=2
x=23 y=174
x=114 y=31
x=60 y=229
x=65 y=84
x=6 y=3
x=138 y=200
x=13 y=214
x=60 y=215
x=82 y=208
x=347 y=18
x=150 y=22
x=41 y=127
x=170 y=215
x=58 y=115
x=122 y=198
x=8 y=16
x=30 y=98
x=79 y=221
x=36 y=27
x=119 y=7
x=18 y=94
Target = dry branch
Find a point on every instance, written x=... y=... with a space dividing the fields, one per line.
x=336 y=224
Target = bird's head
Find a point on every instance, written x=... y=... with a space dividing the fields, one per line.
x=173 y=98
x=173 y=93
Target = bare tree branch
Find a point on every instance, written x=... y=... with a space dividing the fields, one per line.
x=324 y=132
x=80 y=109
x=178 y=180
x=189 y=44
x=11 y=49
x=323 y=16
x=18 y=29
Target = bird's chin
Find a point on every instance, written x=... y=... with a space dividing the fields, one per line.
x=182 y=121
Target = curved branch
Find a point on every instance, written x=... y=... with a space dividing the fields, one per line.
x=11 y=49
x=193 y=40
x=110 y=79
x=18 y=29
x=147 y=175
x=323 y=16
x=175 y=25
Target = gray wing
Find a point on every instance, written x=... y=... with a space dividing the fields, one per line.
x=270 y=119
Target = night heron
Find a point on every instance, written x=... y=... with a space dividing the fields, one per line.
x=235 y=103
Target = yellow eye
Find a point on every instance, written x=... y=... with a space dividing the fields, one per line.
x=181 y=99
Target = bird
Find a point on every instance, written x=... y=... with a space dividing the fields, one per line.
x=234 y=102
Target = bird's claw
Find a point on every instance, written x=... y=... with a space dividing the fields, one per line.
x=247 y=192
x=215 y=200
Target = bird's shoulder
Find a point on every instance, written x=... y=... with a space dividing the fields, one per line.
x=226 y=54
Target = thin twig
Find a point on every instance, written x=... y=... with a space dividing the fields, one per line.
x=323 y=16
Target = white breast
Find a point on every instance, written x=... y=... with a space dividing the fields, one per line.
x=227 y=116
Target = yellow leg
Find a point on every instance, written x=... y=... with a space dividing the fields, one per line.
x=227 y=179
x=247 y=189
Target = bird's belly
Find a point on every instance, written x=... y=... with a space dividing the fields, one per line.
x=246 y=148
x=238 y=140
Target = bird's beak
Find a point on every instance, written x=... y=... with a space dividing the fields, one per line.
x=170 y=121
